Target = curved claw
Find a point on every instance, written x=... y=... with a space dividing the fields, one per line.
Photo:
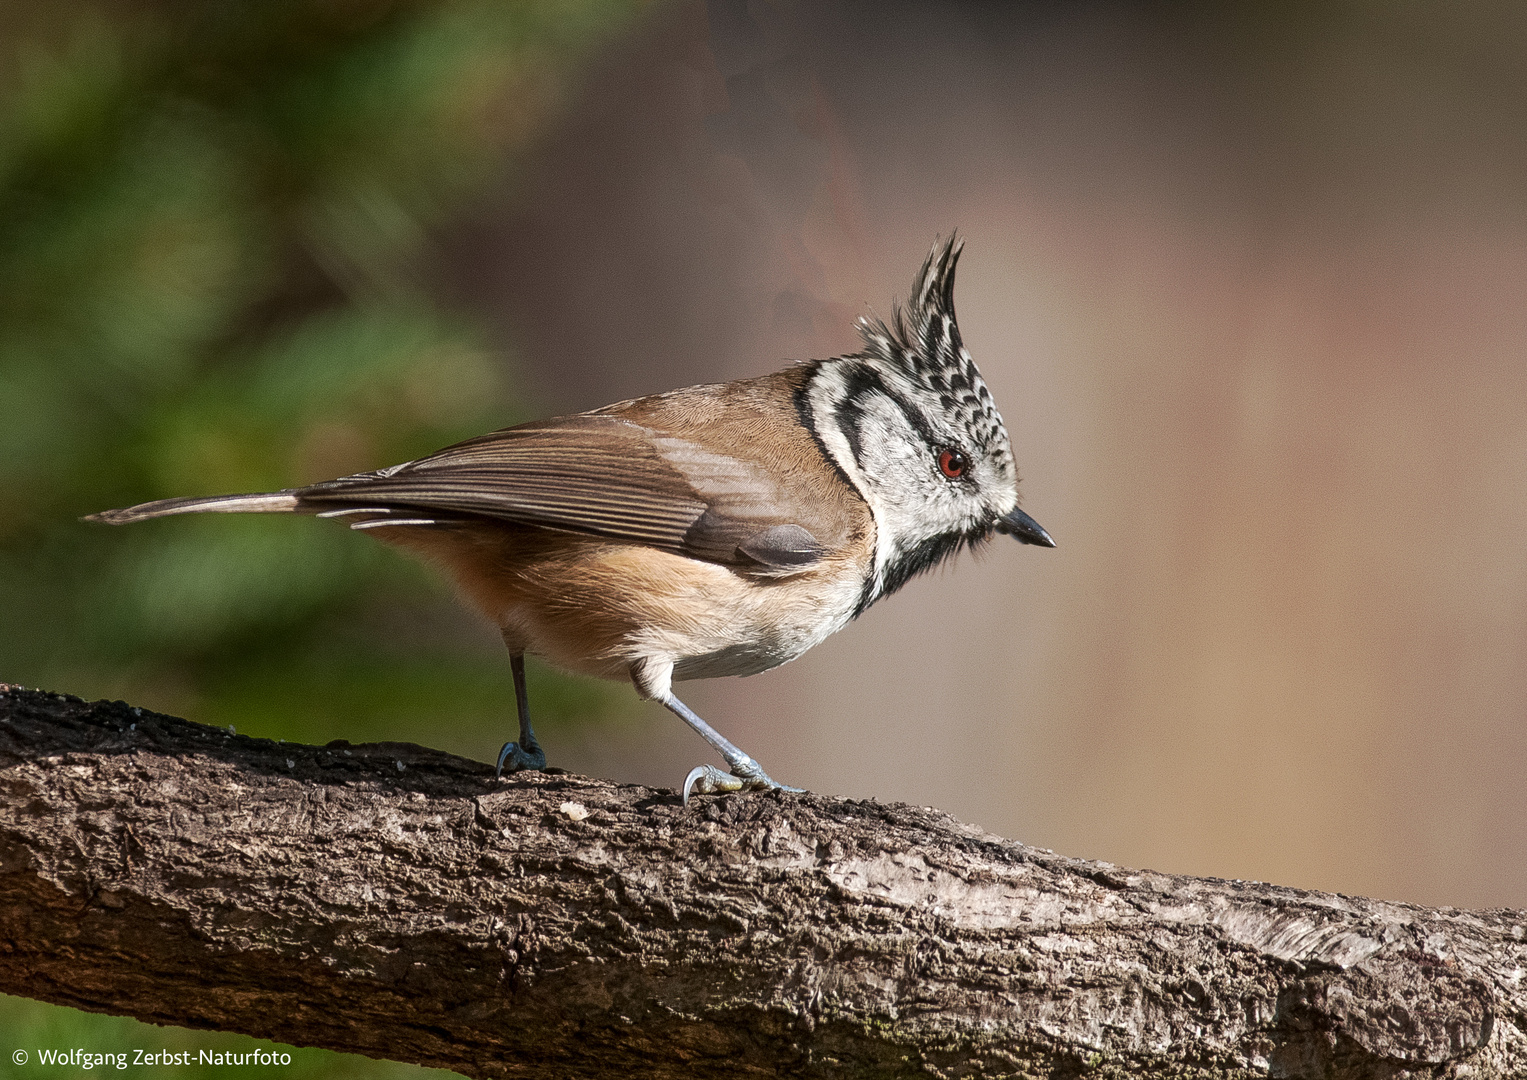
x=706 y=779
x=709 y=780
x=518 y=758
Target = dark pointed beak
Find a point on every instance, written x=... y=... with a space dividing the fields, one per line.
x=1024 y=529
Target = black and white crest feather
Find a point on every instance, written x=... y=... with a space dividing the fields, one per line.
x=923 y=340
x=886 y=415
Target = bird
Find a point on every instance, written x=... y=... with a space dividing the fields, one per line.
x=719 y=529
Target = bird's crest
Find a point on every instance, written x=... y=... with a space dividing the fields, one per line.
x=923 y=344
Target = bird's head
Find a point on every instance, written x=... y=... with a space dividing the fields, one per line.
x=911 y=424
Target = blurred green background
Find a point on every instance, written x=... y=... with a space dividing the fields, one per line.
x=215 y=240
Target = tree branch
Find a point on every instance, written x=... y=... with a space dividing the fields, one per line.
x=398 y=902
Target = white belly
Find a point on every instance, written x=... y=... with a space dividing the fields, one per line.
x=779 y=627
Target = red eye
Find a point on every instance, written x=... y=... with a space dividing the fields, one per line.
x=952 y=463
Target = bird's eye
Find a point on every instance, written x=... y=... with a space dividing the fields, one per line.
x=952 y=463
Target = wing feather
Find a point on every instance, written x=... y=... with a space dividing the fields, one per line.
x=645 y=471
x=599 y=475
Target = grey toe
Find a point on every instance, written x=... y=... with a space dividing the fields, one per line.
x=518 y=758
x=709 y=780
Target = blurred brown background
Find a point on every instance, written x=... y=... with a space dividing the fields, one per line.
x=1248 y=285
x=1247 y=281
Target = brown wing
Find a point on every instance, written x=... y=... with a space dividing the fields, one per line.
x=599 y=475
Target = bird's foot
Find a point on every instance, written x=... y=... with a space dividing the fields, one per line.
x=709 y=780
x=517 y=758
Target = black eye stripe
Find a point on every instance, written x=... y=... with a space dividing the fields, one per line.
x=863 y=382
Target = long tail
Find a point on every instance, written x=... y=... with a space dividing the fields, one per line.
x=278 y=502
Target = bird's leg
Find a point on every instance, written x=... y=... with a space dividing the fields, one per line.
x=653 y=679
x=746 y=775
x=527 y=753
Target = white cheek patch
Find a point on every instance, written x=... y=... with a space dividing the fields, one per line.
x=894 y=470
x=889 y=449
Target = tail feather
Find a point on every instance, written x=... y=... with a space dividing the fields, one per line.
x=277 y=502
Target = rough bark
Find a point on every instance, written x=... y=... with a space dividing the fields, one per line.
x=398 y=902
